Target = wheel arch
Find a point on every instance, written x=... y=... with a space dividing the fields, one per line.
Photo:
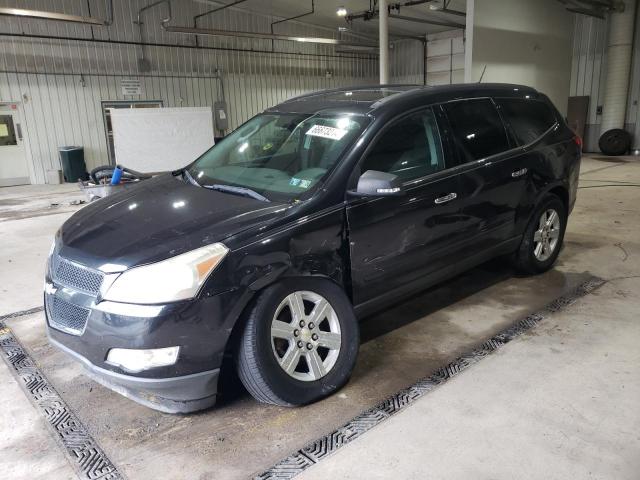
x=253 y=292
x=561 y=192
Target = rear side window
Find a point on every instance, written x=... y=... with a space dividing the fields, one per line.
x=477 y=128
x=410 y=148
x=529 y=119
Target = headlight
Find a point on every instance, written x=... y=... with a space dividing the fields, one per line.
x=138 y=360
x=176 y=278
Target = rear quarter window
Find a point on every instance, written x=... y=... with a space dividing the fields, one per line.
x=528 y=119
x=477 y=128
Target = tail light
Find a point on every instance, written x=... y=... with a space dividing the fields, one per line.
x=578 y=141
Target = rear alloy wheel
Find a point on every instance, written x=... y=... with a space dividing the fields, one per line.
x=545 y=239
x=542 y=240
x=299 y=343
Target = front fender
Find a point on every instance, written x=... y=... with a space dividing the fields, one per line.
x=315 y=245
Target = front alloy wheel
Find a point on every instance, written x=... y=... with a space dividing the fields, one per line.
x=305 y=336
x=300 y=342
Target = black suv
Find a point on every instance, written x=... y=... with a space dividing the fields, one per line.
x=270 y=246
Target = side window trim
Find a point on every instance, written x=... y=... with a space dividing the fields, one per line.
x=357 y=170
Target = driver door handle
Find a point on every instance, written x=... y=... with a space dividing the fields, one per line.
x=446 y=198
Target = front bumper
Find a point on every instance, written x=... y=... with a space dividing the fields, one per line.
x=200 y=327
x=183 y=394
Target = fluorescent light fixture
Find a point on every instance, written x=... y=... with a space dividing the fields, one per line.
x=138 y=360
x=341 y=12
x=342 y=29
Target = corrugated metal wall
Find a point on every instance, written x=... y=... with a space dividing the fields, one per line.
x=60 y=83
x=588 y=76
x=406 y=62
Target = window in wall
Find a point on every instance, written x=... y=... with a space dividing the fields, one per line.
x=529 y=119
x=477 y=128
x=7 y=131
x=410 y=148
x=106 y=113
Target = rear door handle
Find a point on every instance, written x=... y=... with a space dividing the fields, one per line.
x=446 y=198
x=519 y=173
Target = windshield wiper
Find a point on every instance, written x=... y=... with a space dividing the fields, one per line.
x=245 y=192
x=190 y=178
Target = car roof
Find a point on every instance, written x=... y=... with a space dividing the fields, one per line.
x=368 y=99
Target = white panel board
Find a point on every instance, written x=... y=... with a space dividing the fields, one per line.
x=161 y=139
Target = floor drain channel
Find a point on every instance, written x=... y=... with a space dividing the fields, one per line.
x=84 y=453
x=21 y=313
x=319 y=449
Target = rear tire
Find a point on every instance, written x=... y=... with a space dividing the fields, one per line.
x=542 y=240
x=299 y=343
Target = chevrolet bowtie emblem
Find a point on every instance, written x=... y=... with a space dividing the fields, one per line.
x=50 y=288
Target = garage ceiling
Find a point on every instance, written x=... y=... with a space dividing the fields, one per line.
x=325 y=14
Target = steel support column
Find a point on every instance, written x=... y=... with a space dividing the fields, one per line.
x=384 y=41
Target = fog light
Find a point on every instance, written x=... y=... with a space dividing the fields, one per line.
x=139 y=360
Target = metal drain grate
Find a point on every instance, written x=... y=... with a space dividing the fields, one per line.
x=307 y=456
x=85 y=455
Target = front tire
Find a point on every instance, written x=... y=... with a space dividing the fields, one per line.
x=299 y=344
x=543 y=237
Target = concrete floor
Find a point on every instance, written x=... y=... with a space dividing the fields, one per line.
x=526 y=412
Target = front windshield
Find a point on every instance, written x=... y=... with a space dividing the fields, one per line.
x=278 y=156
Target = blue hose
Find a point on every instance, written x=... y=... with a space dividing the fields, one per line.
x=117 y=175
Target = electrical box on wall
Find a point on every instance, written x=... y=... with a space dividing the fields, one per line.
x=220 y=115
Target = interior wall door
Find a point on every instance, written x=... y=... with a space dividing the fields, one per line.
x=13 y=158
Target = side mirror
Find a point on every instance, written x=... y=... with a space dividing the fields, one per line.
x=373 y=183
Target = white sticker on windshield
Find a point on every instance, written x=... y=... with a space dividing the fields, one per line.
x=297 y=182
x=327 y=132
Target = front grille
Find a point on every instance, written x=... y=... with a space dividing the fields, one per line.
x=76 y=276
x=66 y=316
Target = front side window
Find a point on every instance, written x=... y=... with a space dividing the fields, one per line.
x=477 y=128
x=529 y=119
x=278 y=156
x=410 y=148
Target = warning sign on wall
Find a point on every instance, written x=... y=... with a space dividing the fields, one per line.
x=131 y=86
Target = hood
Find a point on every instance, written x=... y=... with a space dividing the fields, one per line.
x=157 y=219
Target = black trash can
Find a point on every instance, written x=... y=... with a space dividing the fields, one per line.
x=73 y=166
